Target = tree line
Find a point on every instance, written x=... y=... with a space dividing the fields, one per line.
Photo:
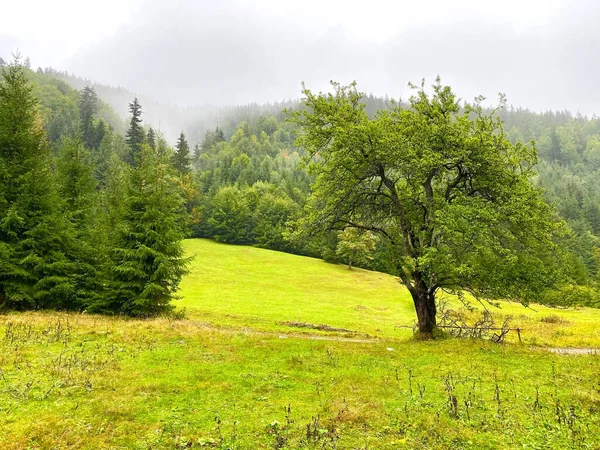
x=102 y=205
x=89 y=220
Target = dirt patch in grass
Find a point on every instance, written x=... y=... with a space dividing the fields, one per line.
x=320 y=327
x=574 y=351
x=554 y=319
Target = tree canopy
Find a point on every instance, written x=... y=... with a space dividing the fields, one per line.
x=442 y=184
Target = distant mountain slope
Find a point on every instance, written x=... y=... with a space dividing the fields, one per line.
x=169 y=118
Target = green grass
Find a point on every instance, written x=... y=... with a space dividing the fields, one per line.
x=230 y=376
x=246 y=286
x=243 y=287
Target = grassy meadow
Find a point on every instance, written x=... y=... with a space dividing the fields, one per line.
x=234 y=374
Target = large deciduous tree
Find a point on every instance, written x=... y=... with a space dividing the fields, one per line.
x=442 y=184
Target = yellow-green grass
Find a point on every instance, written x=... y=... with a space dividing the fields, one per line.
x=231 y=376
x=249 y=287
x=87 y=382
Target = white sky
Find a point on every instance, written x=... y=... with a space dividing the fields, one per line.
x=541 y=54
x=50 y=31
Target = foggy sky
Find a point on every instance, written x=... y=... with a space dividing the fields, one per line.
x=543 y=55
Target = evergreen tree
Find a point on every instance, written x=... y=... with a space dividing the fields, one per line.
x=34 y=237
x=147 y=259
x=102 y=157
x=76 y=181
x=151 y=138
x=88 y=108
x=99 y=131
x=77 y=189
x=110 y=208
x=181 y=159
x=135 y=134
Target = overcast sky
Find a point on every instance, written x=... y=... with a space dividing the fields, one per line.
x=542 y=54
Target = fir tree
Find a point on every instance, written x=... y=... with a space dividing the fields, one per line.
x=99 y=131
x=34 y=237
x=135 y=134
x=147 y=259
x=76 y=181
x=102 y=157
x=77 y=189
x=88 y=108
x=181 y=159
x=151 y=138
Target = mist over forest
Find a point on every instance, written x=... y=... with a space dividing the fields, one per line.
x=235 y=52
x=323 y=224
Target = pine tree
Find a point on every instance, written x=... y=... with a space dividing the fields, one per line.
x=181 y=159
x=135 y=134
x=34 y=237
x=147 y=259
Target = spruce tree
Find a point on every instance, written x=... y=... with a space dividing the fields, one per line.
x=88 y=108
x=181 y=159
x=147 y=260
x=151 y=138
x=77 y=189
x=35 y=238
x=108 y=212
x=135 y=134
x=100 y=130
x=76 y=182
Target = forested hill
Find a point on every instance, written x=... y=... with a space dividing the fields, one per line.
x=170 y=119
x=244 y=179
x=194 y=120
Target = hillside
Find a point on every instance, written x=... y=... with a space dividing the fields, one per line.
x=568 y=147
x=241 y=287
x=229 y=376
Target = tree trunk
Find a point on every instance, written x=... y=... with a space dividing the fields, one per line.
x=425 y=307
x=349 y=263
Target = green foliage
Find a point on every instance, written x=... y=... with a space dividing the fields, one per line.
x=181 y=159
x=88 y=108
x=77 y=189
x=135 y=135
x=230 y=216
x=356 y=246
x=147 y=260
x=76 y=182
x=151 y=138
x=35 y=238
x=271 y=216
x=58 y=107
x=261 y=165
x=446 y=188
